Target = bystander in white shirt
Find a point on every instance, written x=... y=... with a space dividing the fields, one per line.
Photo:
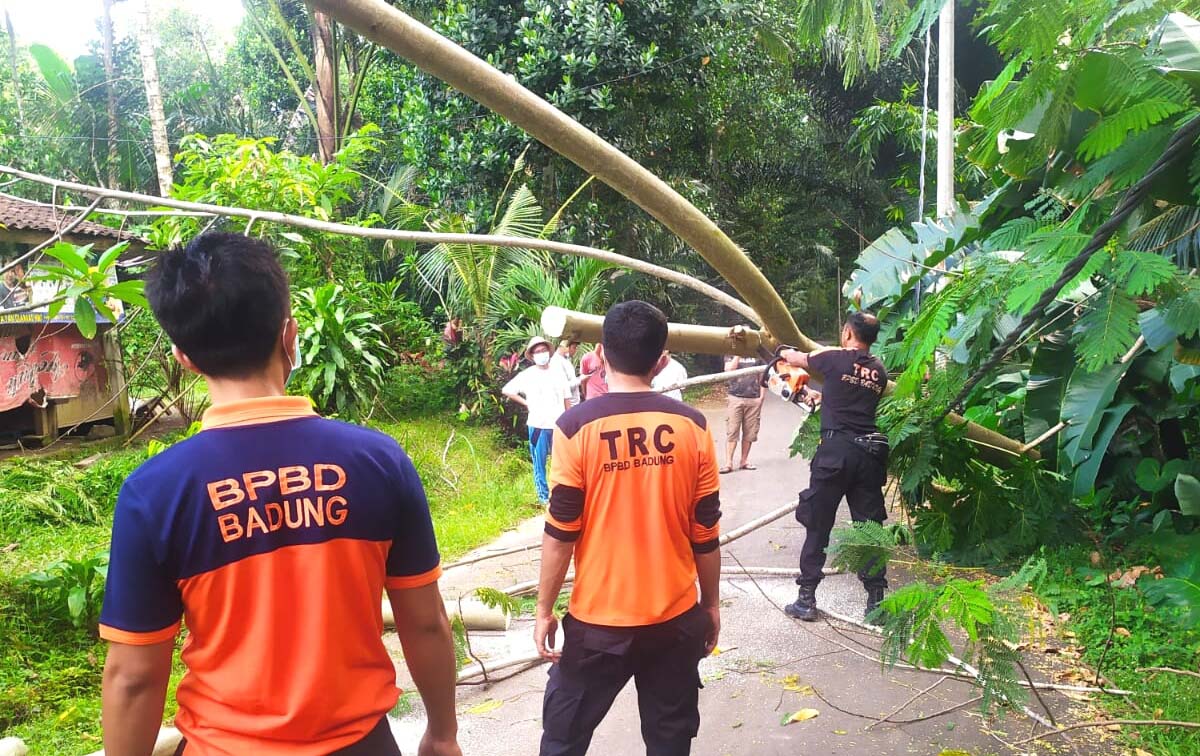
x=670 y=375
x=545 y=391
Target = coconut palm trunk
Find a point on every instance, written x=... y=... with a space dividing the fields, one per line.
x=110 y=87
x=158 y=120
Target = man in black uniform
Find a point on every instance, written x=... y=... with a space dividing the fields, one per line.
x=851 y=460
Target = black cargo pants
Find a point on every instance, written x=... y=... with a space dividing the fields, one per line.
x=597 y=661
x=840 y=468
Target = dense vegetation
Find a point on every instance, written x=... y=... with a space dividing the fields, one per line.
x=798 y=128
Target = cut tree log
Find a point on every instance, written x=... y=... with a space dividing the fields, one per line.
x=558 y=323
x=474 y=614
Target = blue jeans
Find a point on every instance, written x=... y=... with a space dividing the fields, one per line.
x=540 y=440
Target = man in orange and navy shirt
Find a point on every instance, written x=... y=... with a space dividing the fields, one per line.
x=634 y=498
x=273 y=534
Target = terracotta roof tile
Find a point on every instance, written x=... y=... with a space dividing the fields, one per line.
x=24 y=215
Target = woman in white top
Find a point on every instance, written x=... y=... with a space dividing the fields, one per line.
x=546 y=394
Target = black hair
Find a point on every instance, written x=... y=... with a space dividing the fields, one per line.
x=635 y=333
x=222 y=300
x=864 y=326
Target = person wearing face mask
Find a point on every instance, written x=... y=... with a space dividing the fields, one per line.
x=275 y=531
x=546 y=393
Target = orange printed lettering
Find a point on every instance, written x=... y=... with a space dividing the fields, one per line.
x=287 y=513
x=225 y=493
x=257 y=480
x=254 y=520
x=231 y=527
x=318 y=475
x=293 y=480
x=313 y=512
x=274 y=516
x=338 y=516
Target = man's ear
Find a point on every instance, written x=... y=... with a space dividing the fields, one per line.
x=184 y=360
x=663 y=359
x=600 y=354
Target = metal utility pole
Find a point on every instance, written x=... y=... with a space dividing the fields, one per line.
x=945 y=136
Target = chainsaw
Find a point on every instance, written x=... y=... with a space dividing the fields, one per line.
x=788 y=382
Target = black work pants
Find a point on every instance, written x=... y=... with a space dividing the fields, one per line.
x=597 y=661
x=377 y=742
x=840 y=468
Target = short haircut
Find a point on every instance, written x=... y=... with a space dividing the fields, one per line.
x=635 y=333
x=222 y=300
x=864 y=326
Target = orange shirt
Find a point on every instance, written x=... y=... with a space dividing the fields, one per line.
x=634 y=483
x=273 y=533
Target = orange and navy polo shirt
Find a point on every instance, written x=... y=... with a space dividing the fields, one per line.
x=634 y=484
x=273 y=533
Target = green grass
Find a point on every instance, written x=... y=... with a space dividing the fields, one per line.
x=50 y=672
x=1155 y=639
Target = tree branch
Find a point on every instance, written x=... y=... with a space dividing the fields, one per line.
x=1109 y=723
x=417 y=237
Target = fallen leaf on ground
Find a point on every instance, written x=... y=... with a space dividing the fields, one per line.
x=489 y=705
x=792 y=683
x=1113 y=728
x=10 y=548
x=800 y=716
x=1123 y=632
x=1141 y=752
x=839 y=732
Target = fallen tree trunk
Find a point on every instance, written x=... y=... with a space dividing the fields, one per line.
x=991 y=446
x=681 y=337
x=503 y=94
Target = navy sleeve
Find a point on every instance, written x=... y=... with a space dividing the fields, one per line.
x=142 y=603
x=413 y=560
x=824 y=362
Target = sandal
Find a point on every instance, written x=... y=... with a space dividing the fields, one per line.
x=724 y=470
x=748 y=466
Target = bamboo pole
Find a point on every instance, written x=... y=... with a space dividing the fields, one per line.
x=502 y=94
x=704 y=380
x=389 y=234
x=681 y=337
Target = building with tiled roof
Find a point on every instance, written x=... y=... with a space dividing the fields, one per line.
x=27 y=222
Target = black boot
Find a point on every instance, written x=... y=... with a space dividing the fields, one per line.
x=805 y=605
x=874 y=596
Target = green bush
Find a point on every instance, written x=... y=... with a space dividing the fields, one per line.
x=342 y=350
x=74 y=588
x=411 y=389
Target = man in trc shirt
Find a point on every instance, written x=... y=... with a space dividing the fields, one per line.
x=635 y=500
x=275 y=532
x=851 y=460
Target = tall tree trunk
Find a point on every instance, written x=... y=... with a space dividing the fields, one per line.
x=325 y=65
x=945 y=135
x=12 y=61
x=110 y=86
x=158 y=120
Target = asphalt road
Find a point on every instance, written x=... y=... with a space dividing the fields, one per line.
x=769 y=665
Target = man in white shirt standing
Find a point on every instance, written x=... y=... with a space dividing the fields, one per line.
x=564 y=360
x=672 y=374
x=546 y=394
